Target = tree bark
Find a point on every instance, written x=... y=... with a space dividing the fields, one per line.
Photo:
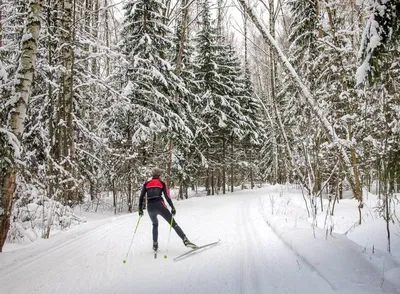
x=1 y=25
x=251 y=171
x=212 y=182
x=51 y=184
x=231 y=164
x=66 y=133
x=272 y=93
x=223 y=166
x=22 y=92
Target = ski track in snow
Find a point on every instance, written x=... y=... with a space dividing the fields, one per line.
x=250 y=258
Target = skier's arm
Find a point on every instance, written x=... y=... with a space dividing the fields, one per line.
x=141 y=198
x=167 y=195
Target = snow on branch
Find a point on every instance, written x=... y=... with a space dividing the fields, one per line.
x=381 y=26
x=3 y=73
x=12 y=141
x=306 y=96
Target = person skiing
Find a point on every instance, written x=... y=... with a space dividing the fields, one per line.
x=156 y=206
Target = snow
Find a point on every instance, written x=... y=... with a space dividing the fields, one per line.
x=13 y=141
x=3 y=73
x=26 y=37
x=267 y=246
x=362 y=71
x=370 y=40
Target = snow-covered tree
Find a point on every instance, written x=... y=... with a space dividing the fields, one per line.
x=381 y=36
x=21 y=92
x=151 y=113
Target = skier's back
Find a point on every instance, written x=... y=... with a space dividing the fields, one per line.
x=154 y=189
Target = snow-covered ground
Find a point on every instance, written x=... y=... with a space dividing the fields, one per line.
x=267 y=246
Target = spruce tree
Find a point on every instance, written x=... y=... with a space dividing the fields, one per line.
x=151 y=86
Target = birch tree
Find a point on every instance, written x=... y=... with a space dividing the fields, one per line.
x=352 y=175
x=20 y=96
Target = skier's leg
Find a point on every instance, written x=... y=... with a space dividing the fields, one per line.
x=164 y=212
x=152 y=210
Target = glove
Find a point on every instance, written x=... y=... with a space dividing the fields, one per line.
x=173 y=211
x=140 y=212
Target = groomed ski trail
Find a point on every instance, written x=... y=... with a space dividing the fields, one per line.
x=269 y=266
x=249 y=259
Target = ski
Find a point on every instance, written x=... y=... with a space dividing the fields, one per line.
x=195 y=249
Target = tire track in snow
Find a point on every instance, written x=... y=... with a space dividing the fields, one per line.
x=249 y=279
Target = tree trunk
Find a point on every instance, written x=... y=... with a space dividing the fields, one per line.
x=130 y=200
x=212 y=182
x=272 y=94
x=114 y=197
x=231 y=164
x=218 y=181
x=387 y=215
x=180 y=194
x=251 y=171
x=7 y=192
x=107 y=32
x=182 y=40
x=22 y=92
x=67 y=59
x=208 y=181
x=223 y=166
x=51 y=184
x=1 y=25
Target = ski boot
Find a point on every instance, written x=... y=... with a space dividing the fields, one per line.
x=188 y=243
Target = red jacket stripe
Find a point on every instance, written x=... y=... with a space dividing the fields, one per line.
x=154 y=183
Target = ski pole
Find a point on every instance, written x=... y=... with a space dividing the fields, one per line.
x=169 y=236
x=130 y=245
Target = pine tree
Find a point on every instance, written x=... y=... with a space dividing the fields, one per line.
x=220 y=109
x=151 y=85
x=186 y=156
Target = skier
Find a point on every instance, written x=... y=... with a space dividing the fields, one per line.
x=156 y=206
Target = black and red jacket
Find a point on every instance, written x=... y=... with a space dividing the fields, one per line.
x=154 y=189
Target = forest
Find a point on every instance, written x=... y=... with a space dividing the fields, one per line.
x=219 y=94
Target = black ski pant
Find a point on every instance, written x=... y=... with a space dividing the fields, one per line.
x=158 y=208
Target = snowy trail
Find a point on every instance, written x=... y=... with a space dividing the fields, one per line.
x=249 y=259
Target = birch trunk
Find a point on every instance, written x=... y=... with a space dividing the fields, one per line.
x=22 y=91
x=1 y=25
x=272 y=94
x=107 y=32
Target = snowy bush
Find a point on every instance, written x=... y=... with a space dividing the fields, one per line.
x=35 y=216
